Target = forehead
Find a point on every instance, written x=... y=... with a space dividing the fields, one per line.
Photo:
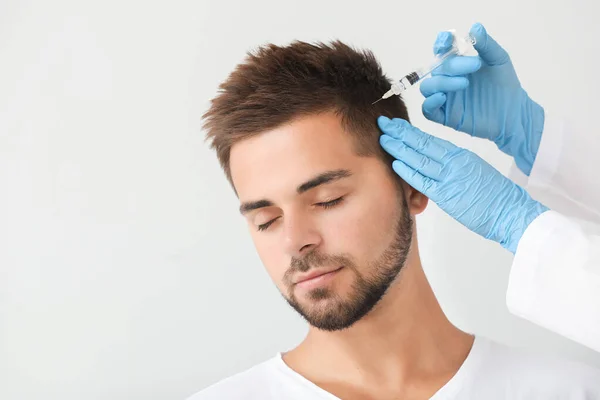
x=290 y=154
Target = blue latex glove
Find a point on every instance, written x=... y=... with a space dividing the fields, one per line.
x=488 y=103
x=466 y=187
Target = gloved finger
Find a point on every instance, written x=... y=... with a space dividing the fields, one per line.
x=392 y=127
x=458 y=65
x=489 y=50
x=443 y=42
x=425 y=144
x=433 y=108
x=425 y=185
x=444 y=84
x=421 y=163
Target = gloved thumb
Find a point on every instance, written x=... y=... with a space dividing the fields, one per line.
x=489 y=50
x=443 y=42
x=433 y=107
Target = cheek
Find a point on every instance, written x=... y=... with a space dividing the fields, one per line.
x=271 y=255
x=364 y=229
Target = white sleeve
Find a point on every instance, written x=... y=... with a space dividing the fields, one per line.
x=566 y=173
x=555 y=278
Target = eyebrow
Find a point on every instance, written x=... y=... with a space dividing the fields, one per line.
x=253 y=205
x=321 y=179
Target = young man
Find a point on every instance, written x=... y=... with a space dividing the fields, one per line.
x=296 y=135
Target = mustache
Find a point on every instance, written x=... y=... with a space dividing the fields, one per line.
x=314 y=260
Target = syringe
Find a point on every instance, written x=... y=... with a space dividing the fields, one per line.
x=459 y=47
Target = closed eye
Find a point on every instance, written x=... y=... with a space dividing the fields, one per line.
x=324 y=204
x=264 y=226
x=331 y=203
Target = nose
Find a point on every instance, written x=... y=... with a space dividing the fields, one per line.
x=300 y=235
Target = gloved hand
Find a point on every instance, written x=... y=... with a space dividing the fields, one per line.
x=466 y=187
x=488 y=103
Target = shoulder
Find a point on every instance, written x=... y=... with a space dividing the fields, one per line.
x=252 y=383
x=535 y=372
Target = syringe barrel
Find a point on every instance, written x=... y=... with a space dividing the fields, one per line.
x=459 y=47
x=437 y=62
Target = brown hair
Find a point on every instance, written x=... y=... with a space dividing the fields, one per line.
x=277 y=84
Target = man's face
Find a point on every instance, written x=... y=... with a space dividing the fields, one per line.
x=331 y=227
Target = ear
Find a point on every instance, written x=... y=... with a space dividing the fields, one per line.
x=416 y=201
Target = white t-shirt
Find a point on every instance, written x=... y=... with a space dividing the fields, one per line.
x=491 y=372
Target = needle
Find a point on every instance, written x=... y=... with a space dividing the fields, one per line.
x=377 y=101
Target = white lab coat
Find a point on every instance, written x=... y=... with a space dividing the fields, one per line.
x=555 y=277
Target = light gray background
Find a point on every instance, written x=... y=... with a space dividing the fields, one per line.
x=125 y=270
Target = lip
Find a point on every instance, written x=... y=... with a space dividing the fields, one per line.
x=313 y=275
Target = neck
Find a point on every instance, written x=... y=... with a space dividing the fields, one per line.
x=404 y=341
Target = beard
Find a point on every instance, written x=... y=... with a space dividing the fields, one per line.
x=366 y=290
